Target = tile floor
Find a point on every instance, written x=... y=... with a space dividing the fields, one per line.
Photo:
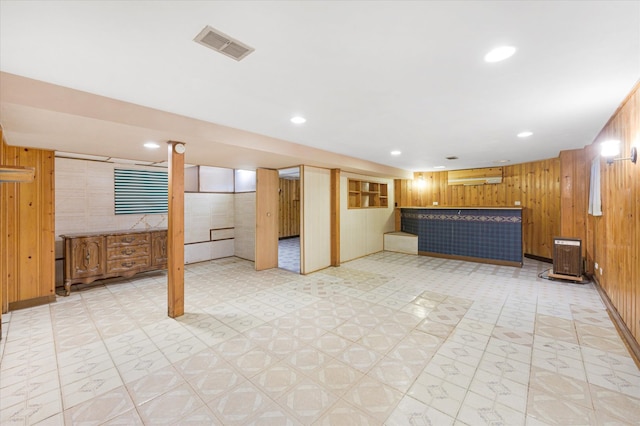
x=289 y=254
x=387 y=339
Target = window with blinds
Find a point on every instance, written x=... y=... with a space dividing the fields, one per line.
x=141 y=191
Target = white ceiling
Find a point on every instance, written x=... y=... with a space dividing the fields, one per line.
x=370 y=77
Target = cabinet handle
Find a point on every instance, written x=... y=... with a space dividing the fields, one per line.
x=128 y=240
x=88 y=257
x=128 y=251
x=128 y=264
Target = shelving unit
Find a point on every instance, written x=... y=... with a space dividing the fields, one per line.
x=366 y=194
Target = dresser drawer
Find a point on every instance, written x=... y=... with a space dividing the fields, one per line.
x=128 y=239
x=91 y=256
x=128 y=264
x=124 y=252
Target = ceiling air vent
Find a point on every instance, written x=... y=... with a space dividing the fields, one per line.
x=220 y=42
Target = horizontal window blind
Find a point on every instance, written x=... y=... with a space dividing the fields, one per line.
x=141 y=191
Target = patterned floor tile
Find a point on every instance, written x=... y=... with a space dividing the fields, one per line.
x=240 y=404
x=500 y=389
x=394 y=373
x=450 y=370
x=435 y=328
x=97 y=410
x=307 y=401
x=90 y=387
x=514 y=336
x=549 y=409
x=253 y=362
x=213 y=381
x=614 y=405
x=438 y=393
x=155 y=384
x=171 y=406
x=139 y=367
x=342 y=413
x=350 y=345
x=478 y=410
x=331 y=344
x=606 y=377
x=201 y=416
x=28 y=389
x=502 y=366
x=359 y=357
x=413 y=412
x=574 y=390
x=277 y=379
x=560 y=364
x=373 y=397
x=129 y=418
x=336 y=376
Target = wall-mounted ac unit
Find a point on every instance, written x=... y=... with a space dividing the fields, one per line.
x=475 y=176
x=567 y=257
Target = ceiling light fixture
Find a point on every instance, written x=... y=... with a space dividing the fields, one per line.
x=151 y=145
x=525 y=134
x=298 y=119
x=500 y=54
x=440 y=167
x=396 y=152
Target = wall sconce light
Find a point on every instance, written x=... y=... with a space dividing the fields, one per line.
x=611 y=148
x=420 y=182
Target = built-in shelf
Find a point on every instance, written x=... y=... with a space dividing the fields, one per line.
x=366 y=194
x=17 y=174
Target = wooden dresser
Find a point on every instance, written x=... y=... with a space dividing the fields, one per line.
x=93 y=256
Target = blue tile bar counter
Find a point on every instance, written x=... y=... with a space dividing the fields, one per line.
x=492 y=235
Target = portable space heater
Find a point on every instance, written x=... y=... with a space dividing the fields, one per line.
x=567 y=258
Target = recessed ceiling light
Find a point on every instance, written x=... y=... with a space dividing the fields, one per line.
x=499 y=54
x=440 y=167
x=151 y=145
x=525 y=134
x=501 y=161
x=396 y=152
x=298 y=119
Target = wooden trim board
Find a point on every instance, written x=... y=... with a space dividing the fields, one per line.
x=471 y=259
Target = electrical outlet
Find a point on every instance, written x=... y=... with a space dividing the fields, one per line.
x=435 y=203
x=596 y=265
x=517 y=203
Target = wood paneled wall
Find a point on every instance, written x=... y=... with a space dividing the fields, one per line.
x=289 y=208
x=27 y=223
x=613 y=239
x=535 y=185
x=574 y=198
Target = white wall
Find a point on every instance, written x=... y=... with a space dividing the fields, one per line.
x=245 y=225
x=362 y=230
x=208 y=225
x=316 y=219
x=84 y=198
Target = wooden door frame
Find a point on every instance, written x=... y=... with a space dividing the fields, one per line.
x=267 y=205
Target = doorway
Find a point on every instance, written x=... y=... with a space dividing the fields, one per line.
x=289 y=219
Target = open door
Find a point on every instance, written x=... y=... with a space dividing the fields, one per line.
x=266 y=219
x=289 y=219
